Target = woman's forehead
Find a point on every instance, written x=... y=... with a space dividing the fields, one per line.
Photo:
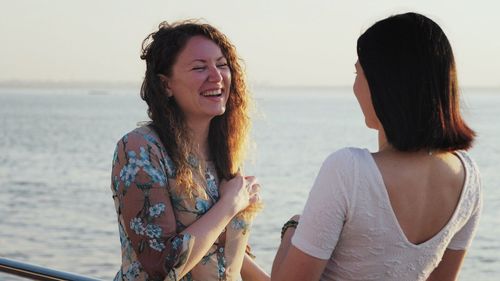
x=200 y=48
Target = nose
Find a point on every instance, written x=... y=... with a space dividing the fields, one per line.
x=215 y=74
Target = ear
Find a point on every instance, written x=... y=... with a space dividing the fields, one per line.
x=164 y=80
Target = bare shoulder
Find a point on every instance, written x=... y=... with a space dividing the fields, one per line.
x=448 y=170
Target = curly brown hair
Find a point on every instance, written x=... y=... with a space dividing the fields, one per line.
x=227 y=133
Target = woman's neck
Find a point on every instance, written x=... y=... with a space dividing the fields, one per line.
x=199 y=132
x=385 y=146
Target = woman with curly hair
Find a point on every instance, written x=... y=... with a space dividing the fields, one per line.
x=184 y=209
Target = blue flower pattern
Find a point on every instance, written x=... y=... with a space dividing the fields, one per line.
x=178 y=242
x=153 y=231
x=156 y=210
x=170 y=167
x=202 y=206
x=156 y=175
x=156 y=245
x=238 y=223
x=129 y=171
x=137 y=226
x=133 y=271
x=123 y=236
x=144 y=161
x=221 y=263
x=151 y=139
x=212 y=189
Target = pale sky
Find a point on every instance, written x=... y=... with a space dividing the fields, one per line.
x=310 y=43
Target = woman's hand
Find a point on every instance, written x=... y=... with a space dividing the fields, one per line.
x=240 y=191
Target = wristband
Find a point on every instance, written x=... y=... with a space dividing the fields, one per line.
x=290 y=223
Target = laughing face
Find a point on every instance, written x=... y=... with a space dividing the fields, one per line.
x=200 y=80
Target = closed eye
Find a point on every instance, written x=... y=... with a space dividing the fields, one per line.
x=199 y=68
x=222 y=65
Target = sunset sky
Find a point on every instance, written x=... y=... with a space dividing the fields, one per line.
x=308 y=43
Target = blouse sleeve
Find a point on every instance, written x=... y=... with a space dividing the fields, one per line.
x=463 y=238
x=325 y=211
x=140 y=181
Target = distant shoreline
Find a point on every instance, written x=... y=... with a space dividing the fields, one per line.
x=17 y=84
x=125 y=85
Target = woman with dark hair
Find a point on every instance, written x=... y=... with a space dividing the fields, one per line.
x=184 y=209
x=410 y=210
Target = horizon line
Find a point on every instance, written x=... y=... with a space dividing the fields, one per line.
x=14 y=83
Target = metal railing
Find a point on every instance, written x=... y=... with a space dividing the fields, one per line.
x=37 y=272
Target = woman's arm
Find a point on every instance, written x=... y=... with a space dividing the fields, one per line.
x=449 y=267
x=251 y=271
x=291 y=264
x=234 y=198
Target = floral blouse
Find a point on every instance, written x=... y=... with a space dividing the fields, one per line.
x=152 y=213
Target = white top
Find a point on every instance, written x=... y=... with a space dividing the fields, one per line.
x=349 y=220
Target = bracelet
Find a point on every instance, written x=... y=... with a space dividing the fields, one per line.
x=290 y=223
x=248 y=251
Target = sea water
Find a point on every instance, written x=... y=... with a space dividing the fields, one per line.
x=56 y=148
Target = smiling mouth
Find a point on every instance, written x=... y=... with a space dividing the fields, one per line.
x=212 y=93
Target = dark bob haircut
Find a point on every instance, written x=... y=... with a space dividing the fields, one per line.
x=410 y=68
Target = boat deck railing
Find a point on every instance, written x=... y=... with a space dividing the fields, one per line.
x=36 y=272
